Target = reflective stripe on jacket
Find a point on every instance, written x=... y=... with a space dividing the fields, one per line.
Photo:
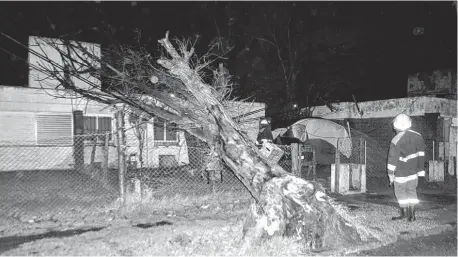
x=406 y=158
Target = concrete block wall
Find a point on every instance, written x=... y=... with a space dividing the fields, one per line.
x=381 y=130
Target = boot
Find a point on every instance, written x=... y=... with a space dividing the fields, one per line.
x=403 y=214
x=411 y=213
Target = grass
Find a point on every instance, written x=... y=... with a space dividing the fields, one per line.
x=42 y=192
x=201 y=223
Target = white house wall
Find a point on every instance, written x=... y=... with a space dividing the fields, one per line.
x=27 y=99
x=38 y=78
x=35 y=158
x=152 y=151
x=17 y=128
x=19 y=107
x=112 y=155
x=180 y=152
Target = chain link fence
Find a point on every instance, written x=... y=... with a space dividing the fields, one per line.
x=84 y=171
x=60 y=176
x=179 y=165
x=285 y=161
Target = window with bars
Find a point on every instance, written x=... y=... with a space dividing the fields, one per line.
x=97 y=125
x=164 y=131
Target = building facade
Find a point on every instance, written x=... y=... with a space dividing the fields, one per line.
x=435 y=118
x=37 y=131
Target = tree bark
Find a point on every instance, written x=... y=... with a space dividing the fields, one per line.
x=121 y=143
x=284 y=205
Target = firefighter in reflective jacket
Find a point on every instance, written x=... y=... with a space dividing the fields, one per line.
x=405 y=165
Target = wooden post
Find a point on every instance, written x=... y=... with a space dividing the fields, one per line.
x=295 y=156
x=105 y=159
x=121 y=153
x=337 y=177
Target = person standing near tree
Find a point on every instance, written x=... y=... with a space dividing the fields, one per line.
x=406 y=159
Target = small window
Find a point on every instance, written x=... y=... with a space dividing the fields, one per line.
x=97 y=125
x=164 y=131
x=158 y=130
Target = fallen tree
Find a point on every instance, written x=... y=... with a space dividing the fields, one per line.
x=283 y=204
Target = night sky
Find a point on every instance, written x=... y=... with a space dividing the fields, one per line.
x=384 y=49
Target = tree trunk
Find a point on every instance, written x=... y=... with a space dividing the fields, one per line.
x=121 y=144
x=284 y=205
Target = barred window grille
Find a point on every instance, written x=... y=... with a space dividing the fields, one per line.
x=97 y=125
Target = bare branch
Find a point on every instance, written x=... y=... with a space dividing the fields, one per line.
x=266 y=40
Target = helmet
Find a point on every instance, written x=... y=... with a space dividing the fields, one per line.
x=402 y=122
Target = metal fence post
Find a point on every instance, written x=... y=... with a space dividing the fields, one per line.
x=295 y=165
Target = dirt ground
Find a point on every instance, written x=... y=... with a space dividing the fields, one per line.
x=174 y=226
x=198 y=226
x=185 y=224
x=435 y=245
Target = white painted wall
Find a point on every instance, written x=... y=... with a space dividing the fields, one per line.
x=29 y=99
x=19 y=107
x=40 y=46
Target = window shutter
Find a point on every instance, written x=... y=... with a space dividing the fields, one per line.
x=54 y=129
